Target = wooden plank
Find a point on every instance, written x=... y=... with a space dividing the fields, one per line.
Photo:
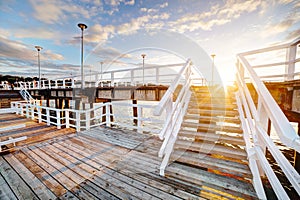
x=212 y=148
x=13 y=127
x=117 y=175
x=19 y=187
x=117 y=189
x=27 y=131
x=82 y=169
x=117 y=139
x=34 y=183
x=65 y=176
x=5 y=190
x=41 y=174
x=215 y=165
x=212 y=137
x=107 y=155
x=47 y=136
x=217 y=182
x=131 y=173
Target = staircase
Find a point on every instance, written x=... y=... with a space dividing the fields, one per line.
x=210 y=149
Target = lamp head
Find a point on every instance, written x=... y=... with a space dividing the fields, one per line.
x=82 y=26
x=38 y=48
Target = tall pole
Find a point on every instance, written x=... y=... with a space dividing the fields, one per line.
x=143 y=56
x=101 y=69
x=213 y=69
x=39 y=48
x=82 y=27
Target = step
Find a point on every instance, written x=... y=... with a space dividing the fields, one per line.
x=203 y=112
x=212 y=137
x=235 y=170
x=209 y=119
x=220 y=150
x=221 y=186
x=211 y=127
x=210 y=106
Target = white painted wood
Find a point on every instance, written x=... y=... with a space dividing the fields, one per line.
x=12 y=141
x=290 y=58
x=12 y=127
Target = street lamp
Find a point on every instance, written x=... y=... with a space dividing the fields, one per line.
x=101 y=69
x=143 y=56
x=39 y=48
x=82 y=27
x=212 y=71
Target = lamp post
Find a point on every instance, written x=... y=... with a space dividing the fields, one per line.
x=82 y=27
x=143 y=56
x=213 y=66
x=101 y=63
x=39 y=48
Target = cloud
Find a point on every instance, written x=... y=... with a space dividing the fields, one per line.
x=109 y=53
x=281 y=26
x=293 y=34
x=164 y=5
x=19 y=51
x=56 y=11
x=216 y=16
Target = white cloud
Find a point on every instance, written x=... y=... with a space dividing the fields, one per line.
x=216 y=16
x=19 y=51
x=55 y=11
x=164 y=5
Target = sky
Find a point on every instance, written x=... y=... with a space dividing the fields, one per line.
x=119 y=31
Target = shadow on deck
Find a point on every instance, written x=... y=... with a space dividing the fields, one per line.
x=103 y=163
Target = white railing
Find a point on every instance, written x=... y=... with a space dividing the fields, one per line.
x=24 y=93
x=174 y=112
x=154 y=75
x=255 y=119
x=276 y=63
x=87 y=119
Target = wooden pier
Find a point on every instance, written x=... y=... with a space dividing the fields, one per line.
x=104 y=163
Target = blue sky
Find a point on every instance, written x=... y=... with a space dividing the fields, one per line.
x=224 y=28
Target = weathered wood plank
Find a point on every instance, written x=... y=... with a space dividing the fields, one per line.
x=200 y=177
x=236 y=170
x=81 y=168
x=65 y=176
x=5 y=191
x=131 y=183
x=19 y=187
x=212 y=148
x=41 y=174
x=34 y=183
x=117 y=189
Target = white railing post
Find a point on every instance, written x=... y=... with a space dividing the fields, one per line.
x=77 y=121
x=112 y=79
x=132 y=77
x=48 y=116
x=73 y=83
x=32 y=111
x=39 y=114
x=58 y=119
x=49 y=84
x=67 y=118
x=139 y=118
x=107 y=114
x=290 y=59
x=27 y=110
x=87 y=119
x=21 y=109
x=157 y=75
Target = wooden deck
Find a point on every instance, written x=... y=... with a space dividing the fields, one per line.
x=103 y=163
